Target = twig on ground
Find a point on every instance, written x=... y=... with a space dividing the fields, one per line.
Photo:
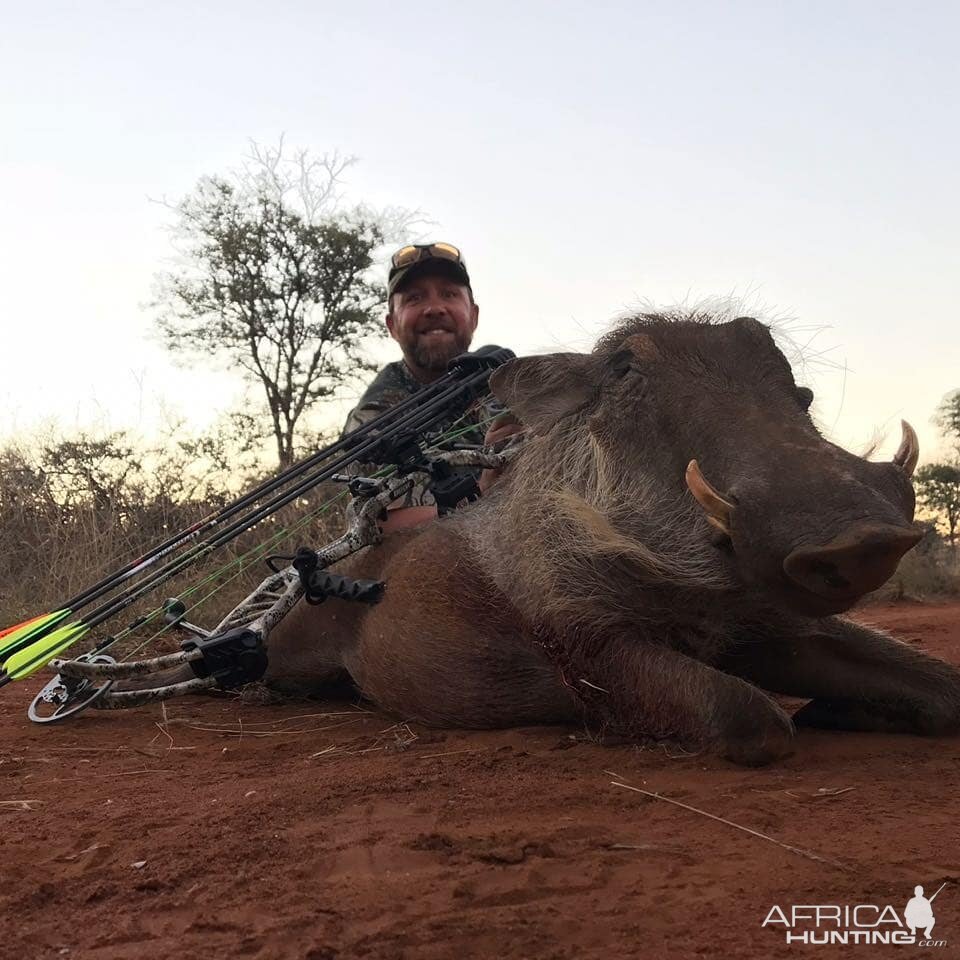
x=306 y=716
x=19 y=804
x=198 y=721
x=239 y=732
x=633 y=846
x=756 y=833
x=163 y=729
x=403 y=737
x=824 y=793
x=106 y=776
x=162 y=725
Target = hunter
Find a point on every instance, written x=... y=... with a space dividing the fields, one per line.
x=432 y=315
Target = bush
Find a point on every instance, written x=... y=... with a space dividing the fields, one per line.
x=930 y=570
x=72 y=511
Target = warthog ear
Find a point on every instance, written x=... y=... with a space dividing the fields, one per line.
x=543 y=390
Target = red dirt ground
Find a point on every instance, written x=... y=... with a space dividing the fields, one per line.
x=323 y=831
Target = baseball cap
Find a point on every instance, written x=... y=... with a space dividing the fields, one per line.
x=416 y=258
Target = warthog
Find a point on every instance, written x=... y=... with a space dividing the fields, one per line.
x=675 y=539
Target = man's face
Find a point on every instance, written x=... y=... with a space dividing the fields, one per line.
x=433 y=319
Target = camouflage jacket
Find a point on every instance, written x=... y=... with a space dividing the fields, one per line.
x=394 y=384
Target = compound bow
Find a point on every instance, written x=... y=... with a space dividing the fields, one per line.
x=234 y=652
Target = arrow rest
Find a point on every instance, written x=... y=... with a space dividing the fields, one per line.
x=233 y=659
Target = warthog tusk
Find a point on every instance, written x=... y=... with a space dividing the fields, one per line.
x=717 y=508
x=909 y=450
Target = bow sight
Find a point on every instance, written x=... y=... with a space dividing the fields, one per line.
x=403 y=438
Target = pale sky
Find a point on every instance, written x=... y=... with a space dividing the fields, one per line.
x=584 y=156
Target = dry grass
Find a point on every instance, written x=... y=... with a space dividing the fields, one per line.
x=73 y=512
x=396 y=738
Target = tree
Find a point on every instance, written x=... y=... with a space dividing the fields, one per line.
x=276 y=279
x=938 y=489
x=99 y=468
x=948 y=418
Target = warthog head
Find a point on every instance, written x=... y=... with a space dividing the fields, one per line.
x=712 y=411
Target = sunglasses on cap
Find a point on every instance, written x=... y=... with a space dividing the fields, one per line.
x=415 y=252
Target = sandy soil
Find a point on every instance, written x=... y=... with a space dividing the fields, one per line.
x=324 y=831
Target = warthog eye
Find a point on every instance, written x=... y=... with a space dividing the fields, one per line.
x=625 y=362
x=804 y=397
x=622 y=362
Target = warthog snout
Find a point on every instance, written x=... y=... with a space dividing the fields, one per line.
x=854 y=563
x=821 y=527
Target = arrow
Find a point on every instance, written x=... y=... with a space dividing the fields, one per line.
x=27 y=647
x=21 y=637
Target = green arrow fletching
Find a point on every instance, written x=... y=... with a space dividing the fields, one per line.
x=42 y=651
x=20 y=636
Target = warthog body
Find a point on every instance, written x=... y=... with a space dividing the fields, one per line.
x=605 y=576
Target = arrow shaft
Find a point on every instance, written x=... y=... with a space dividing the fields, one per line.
x=161 y=576
x=23 y=635
x=38 y=647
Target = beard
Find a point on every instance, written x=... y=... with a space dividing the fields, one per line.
x=436 y=355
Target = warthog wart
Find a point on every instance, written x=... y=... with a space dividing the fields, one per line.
x=675 y=541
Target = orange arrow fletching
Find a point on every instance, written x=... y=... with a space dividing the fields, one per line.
x=26 y=623
x=17 y=637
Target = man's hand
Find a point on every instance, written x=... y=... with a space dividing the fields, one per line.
x=506 y=425
x=403 y=518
